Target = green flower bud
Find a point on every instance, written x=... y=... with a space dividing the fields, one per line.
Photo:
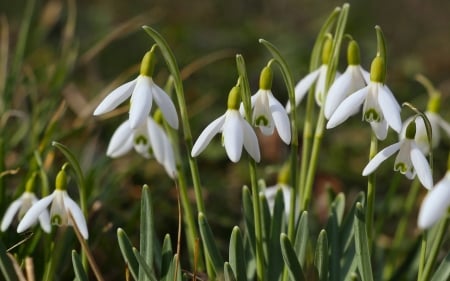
x=411 y=130
x=377 y=70
x=326 y=51
x=234 y=98
x=434 y=103
x=29 y=186
x=148 y=63
x=265 y=79
x=353 y=56
x=61 y=179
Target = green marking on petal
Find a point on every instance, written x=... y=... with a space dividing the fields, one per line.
x=371 y=115
x=141 y=140
x=56 y=220
x=401 y=167
x=261 y=121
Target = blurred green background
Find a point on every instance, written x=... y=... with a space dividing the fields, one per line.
x=77 y=51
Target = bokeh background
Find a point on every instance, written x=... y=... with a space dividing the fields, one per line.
x=77 y=51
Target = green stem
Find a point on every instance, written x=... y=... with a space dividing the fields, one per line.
x=371 y=182
x=423 y=255
x=437 y=243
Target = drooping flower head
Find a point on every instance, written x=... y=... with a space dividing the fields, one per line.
x=409 y=161
x=236 y=132
x=268 y=113
x=380 y=108
x=143 y=91
x=353 y=79
x=318 y=77
x=60 y=206
x=148 y=139
x=436 y=203
x=21 y=205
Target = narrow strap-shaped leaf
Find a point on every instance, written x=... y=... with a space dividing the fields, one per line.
x=209 y=244
x=237 y=255
x=145 y=272
x=127 y=252
x=333 y=225
x=166 y=257
x=321 y=256
x=6 y=266
x=443 y=271
x=301 y=238
x=228 y=272
x=362 y=245
x=265 y=225
x=276 y=264
x=173 y=270
x=290 y=258
x=78 y=268
x=146 y=231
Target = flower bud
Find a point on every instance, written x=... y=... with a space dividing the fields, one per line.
x=148 y=63
x=265 y=79
x=377 y=70
x=353 y=56
x=234 y=98
x=61 y=180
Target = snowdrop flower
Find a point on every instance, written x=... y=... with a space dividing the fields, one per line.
x=21 y=205
x=143 y=92
x=148 y=139
x=437 y=124
x=353 y=79
x=236 y=132
x=435 y=204
x=380 y=108
x=61 y=206
x=318 y=76
x=409 y=161
x=268 y=113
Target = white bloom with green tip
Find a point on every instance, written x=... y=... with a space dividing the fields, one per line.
x=60 y=206
x=435 y=204
x=143 y=91
x=409 y=161
x=236 y=132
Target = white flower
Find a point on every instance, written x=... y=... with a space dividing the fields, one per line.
x=142 y=91
x=409 y=161
x=437 y=123
x=236 y=133
x=435 y=204
x=318 y=76
x=268 y=114
x=61 y=205
x=148 y=139
x=353 y=79
x=20 y=206
x=271 y=192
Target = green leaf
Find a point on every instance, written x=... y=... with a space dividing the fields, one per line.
x=362 y=244
x=166 y=259
x=127 y=252
x=276 y=264
x=237 y=255
x=209 y=244
x=333 y=225
x=228 y=272
x=265 y=225
x=290 y=258
x=248 y=217
x=6 y=266
x=321 y=256
x=301 y=238
x=146 y=231
x=145 y=272
x=443 y=271
x=78 y=268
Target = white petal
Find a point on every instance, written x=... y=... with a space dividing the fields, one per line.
x=444 y=125
x=77 y=215
x=116 y=97
x=380 y=129
x=347 y=108
x=422 y=167
x=44 y=221
x=251 y=142
x=262 y=117
x=390 y=108
x=169 y=159
x=155 y=135
x=34 y=212
x=206 y=136
x=121 y=141
x=281 y=120
x=141 y=101
x=302 y=87
x=366 y=75
x=166 y=105
x=435 y=204
x=10 y=213
x=380 y=157
x=232 y=134
x=319 y=92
